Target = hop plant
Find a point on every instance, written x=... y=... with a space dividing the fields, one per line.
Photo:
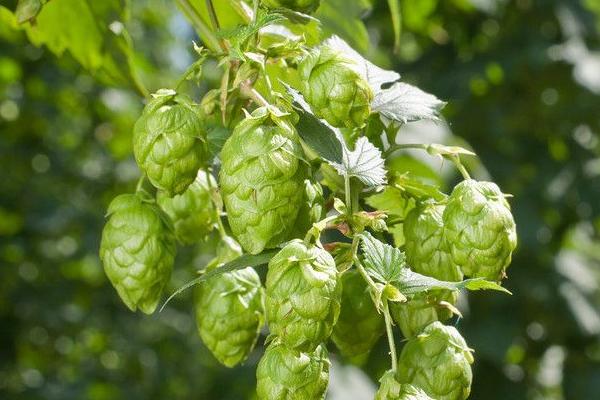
x=391 y=389
x=303 y=6
x=262 y=180
x=359 y=325
x=334 y=88
x=285 y=374
x=480 y=229
x=437 y=361
x=138 y=251
x=303 y=295
x=427 y=254
x=169 y=142
x=192 y=213
x=229 y=308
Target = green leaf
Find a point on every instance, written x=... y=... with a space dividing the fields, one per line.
x=396 y=15
x=405 y=103
x=436 y=149
x=326 y=140
x=383 y=262
x=393 y=201
x=410 y=283
x=240 y=35
x=217 y=136
x=364 y=163
x=342 y=17
x=27 y=10
x=94 y=35
x=416 y=188
x=246 y=260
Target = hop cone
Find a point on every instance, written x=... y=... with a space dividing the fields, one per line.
x=437 y=361
x=303 y=295
x=391 y=389
x=334 y=88
x=480 y=229
x=287 y=374
x=169 y=142
x=229 y=309
x=359 y=325
x=262 y=180
x=192 y=212
x=303 y=6
x=427 y=254
x=311 y=210
x=137 y=250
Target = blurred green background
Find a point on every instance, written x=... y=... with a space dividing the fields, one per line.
x=522 y=82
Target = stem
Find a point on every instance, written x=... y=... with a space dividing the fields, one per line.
x=220 y=226
x=215 y=23
x=390 y=335
x=461 y=168
x=207 y=36
x=140 y=183
x=347 y=194
x=397 y=147
x=247 y=90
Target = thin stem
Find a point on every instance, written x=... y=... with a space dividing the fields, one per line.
x=348 y=194
x=461 y=168
x=390 y=334
x=401 y=146
x=220 y=226
x=140 y=183
x=208 y=37
x=248 y=91
x=215 y=23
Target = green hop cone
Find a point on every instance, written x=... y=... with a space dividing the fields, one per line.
x=334 y=88
x=439 y=362
x=193 y=213
x=311 y=210
x=138 y=251
x=262 y=180
x=427 y=254
x=303 y=6
x=480 y=229
x=303 y=295
x=359 y=325
x=229 y=309
x=169 y=141
x=287 y=374
x=391 y=389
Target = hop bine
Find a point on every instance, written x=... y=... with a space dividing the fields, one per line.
x=138 y=251
x=262 y=179
x=169 y=142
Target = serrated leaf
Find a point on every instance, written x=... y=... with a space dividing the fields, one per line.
x=246 y=260
x=411 y=283
x=374 y=75
x=364 y=163
x=405 y=103
x=240 y=35
x=383 y=262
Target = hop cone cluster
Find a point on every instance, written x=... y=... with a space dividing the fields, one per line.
x=287 y=374
x=303 y=295
x=262 y=180
x=138 y=251
x=359 y=325
x=427 y=254
x=334 y=88
x=303 y=6
x=192 y=213
x=169 y=142
x=229 y=309
x=480 y=229
x=439 y=362
x=391 y=389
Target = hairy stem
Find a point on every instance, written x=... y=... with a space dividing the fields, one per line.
x=215 y=23
x=390 y=334
x=348 y=194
